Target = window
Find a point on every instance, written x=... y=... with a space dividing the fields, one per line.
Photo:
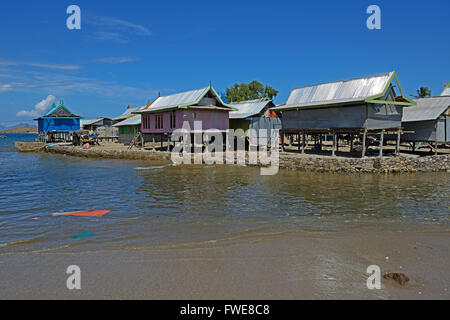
x=145 y=121
x=172 y=120
x=158 y=121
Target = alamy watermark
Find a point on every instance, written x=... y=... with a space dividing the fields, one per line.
x=212 y=146
x=74 y=280
x=374 y=280
x=73 y=22
x=374 y=20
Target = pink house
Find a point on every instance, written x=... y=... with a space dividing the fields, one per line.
x=170 y=112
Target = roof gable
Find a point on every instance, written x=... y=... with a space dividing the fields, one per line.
x=446 y=91
x=60 y=111
x=351 y=91
x=184 y=100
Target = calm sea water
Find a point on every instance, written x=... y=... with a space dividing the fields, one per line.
x=160 y=205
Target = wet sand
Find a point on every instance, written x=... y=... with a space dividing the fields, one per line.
x=294 y=264
x=217 y=232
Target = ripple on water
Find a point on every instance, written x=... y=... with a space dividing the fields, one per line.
x=184 y=205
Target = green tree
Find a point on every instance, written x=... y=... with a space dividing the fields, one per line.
x=251 y=91
x=423 y=92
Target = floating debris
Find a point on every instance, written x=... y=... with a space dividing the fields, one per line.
x=82 y=235
x=92 y=213
x=150 y=168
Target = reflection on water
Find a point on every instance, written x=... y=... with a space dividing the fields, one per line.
x=160 y=205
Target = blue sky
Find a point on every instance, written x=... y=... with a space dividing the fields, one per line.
x=128 y=51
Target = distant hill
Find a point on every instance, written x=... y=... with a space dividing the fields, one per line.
x=23 y=129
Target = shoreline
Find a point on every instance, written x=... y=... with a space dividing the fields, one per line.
x=298 y=265
x=288 y=160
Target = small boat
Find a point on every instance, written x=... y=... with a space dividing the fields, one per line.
x=2 y=137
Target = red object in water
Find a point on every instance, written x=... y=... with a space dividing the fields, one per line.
x=92 y=213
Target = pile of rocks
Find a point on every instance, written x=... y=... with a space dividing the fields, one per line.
x=399 y=164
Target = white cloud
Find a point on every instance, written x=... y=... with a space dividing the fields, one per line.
x=39 y=108
x=24 y=113
x=5 y=87
x=115 y=60
x=5 y=62
x=120 y=25
x=114 y=29
x=45 y=104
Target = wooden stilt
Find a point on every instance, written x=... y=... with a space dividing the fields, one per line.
x=282 y=142
x=397 y=147
x=436 y=140
x=381 y=142
x=363 y=154
x=320 y=142
x=303 y=142
x=351 y=143
x=315 y=142
x=337 y=143
x=168 y=143
x=333 y=151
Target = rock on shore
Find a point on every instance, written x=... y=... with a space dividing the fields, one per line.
x=399 y=164
x=290 y=161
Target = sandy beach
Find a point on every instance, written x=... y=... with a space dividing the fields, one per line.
x=296 y=264
x=217 y=232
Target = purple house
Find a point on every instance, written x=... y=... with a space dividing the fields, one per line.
x=169 y=113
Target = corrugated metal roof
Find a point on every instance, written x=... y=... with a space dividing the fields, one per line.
x=178 y=99
x=248 y=108
x=343 y=91
x=182 y=99
x=446 y=92
x=426 y=109
x=127 y=113
x=84 y=122
x=133 y=121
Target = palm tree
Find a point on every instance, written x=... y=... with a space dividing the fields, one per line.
x=423 y=92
